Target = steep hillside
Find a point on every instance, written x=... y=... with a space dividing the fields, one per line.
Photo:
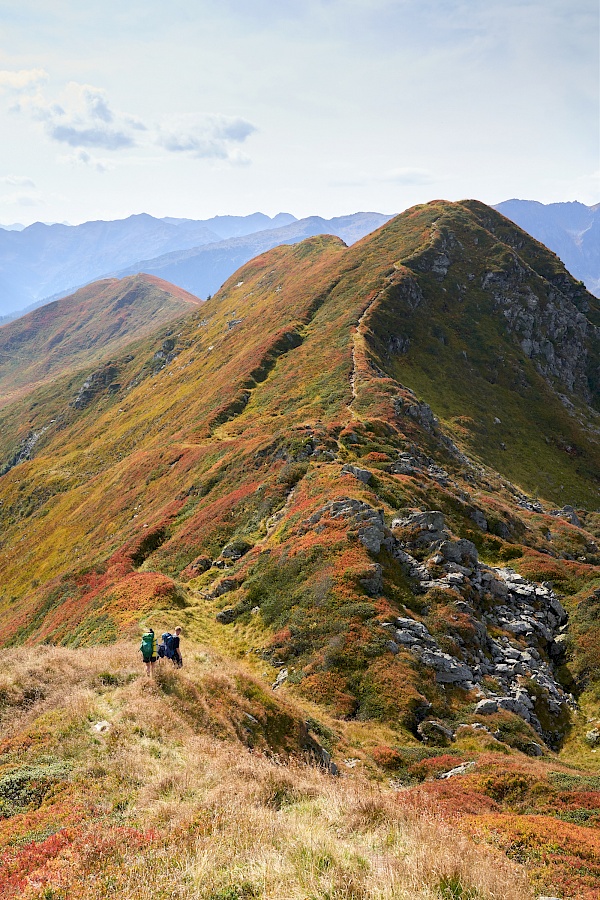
x=571 y=230
x=371 y=473
x=78 y=330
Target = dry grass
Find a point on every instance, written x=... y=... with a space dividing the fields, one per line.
x=170 y=810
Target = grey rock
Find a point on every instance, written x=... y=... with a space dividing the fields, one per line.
x=430 y=520
x=235 y=549
x=434 y=732
x=402 y=468
x=486 y=707
x=479 y=519
x=458 y=770
x=559 y=646
x=514 y=706
x=328 y=763
x=593 y=737
x=461 y=551
x=102 y=726
x=393 y=647
x=373 y=583
x=534 y=749
x=558 y=609
x=201 y=564
x=403 y=636
x=224 y=587
x=519 y=627
x=372 y=537
x=568 y=513
x=281 y=677
x=227 y=616
x=447 y=669
x=362 y=474
x=440 y=265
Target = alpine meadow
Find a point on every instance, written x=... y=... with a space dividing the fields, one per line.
x=365 y=482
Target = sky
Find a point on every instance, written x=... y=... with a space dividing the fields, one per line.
x=195 y=108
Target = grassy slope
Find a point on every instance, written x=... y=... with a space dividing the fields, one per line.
x=462 y=362
x=243 y=435
x=167 y=801
x=91 y=324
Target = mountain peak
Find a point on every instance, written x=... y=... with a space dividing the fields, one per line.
x=371 y=473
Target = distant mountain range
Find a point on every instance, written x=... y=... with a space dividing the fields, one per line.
x=202 y=270
x=45 y=262
x=571 y=230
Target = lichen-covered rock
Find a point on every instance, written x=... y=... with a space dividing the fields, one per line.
x=361 y=474
x=593 y=737
x=432 y=732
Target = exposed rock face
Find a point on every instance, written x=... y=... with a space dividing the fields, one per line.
x=548 y=325
x=529 y=616
x=369 y=522
x=25 y=449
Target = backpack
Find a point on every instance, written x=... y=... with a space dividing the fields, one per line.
x=167 y=646
x=147 y=646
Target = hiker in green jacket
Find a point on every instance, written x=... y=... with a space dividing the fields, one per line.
x=148 y=649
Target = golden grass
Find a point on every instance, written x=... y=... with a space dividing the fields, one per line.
x=174 y=811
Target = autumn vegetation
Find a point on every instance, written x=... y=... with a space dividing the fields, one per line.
x=201 y=479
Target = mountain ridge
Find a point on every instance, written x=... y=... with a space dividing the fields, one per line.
x=43 y=263
x=371 y=471
x=89 y=325
x=571 y=229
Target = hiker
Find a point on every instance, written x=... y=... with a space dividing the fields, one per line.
x=148 y=649
x=177 y=657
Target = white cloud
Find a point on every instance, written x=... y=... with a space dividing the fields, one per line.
x=22 y=181
x=81 y=157
x=20 y=199
x=84 y=119
x=23 y=79
x=212 y=137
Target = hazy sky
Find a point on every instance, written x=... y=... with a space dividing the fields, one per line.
x=202 y=107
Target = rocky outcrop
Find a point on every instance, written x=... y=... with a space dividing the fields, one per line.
x=548 y=325
x=96 y=383
x=361 y=474
x=25 y=449
x=514 y=630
